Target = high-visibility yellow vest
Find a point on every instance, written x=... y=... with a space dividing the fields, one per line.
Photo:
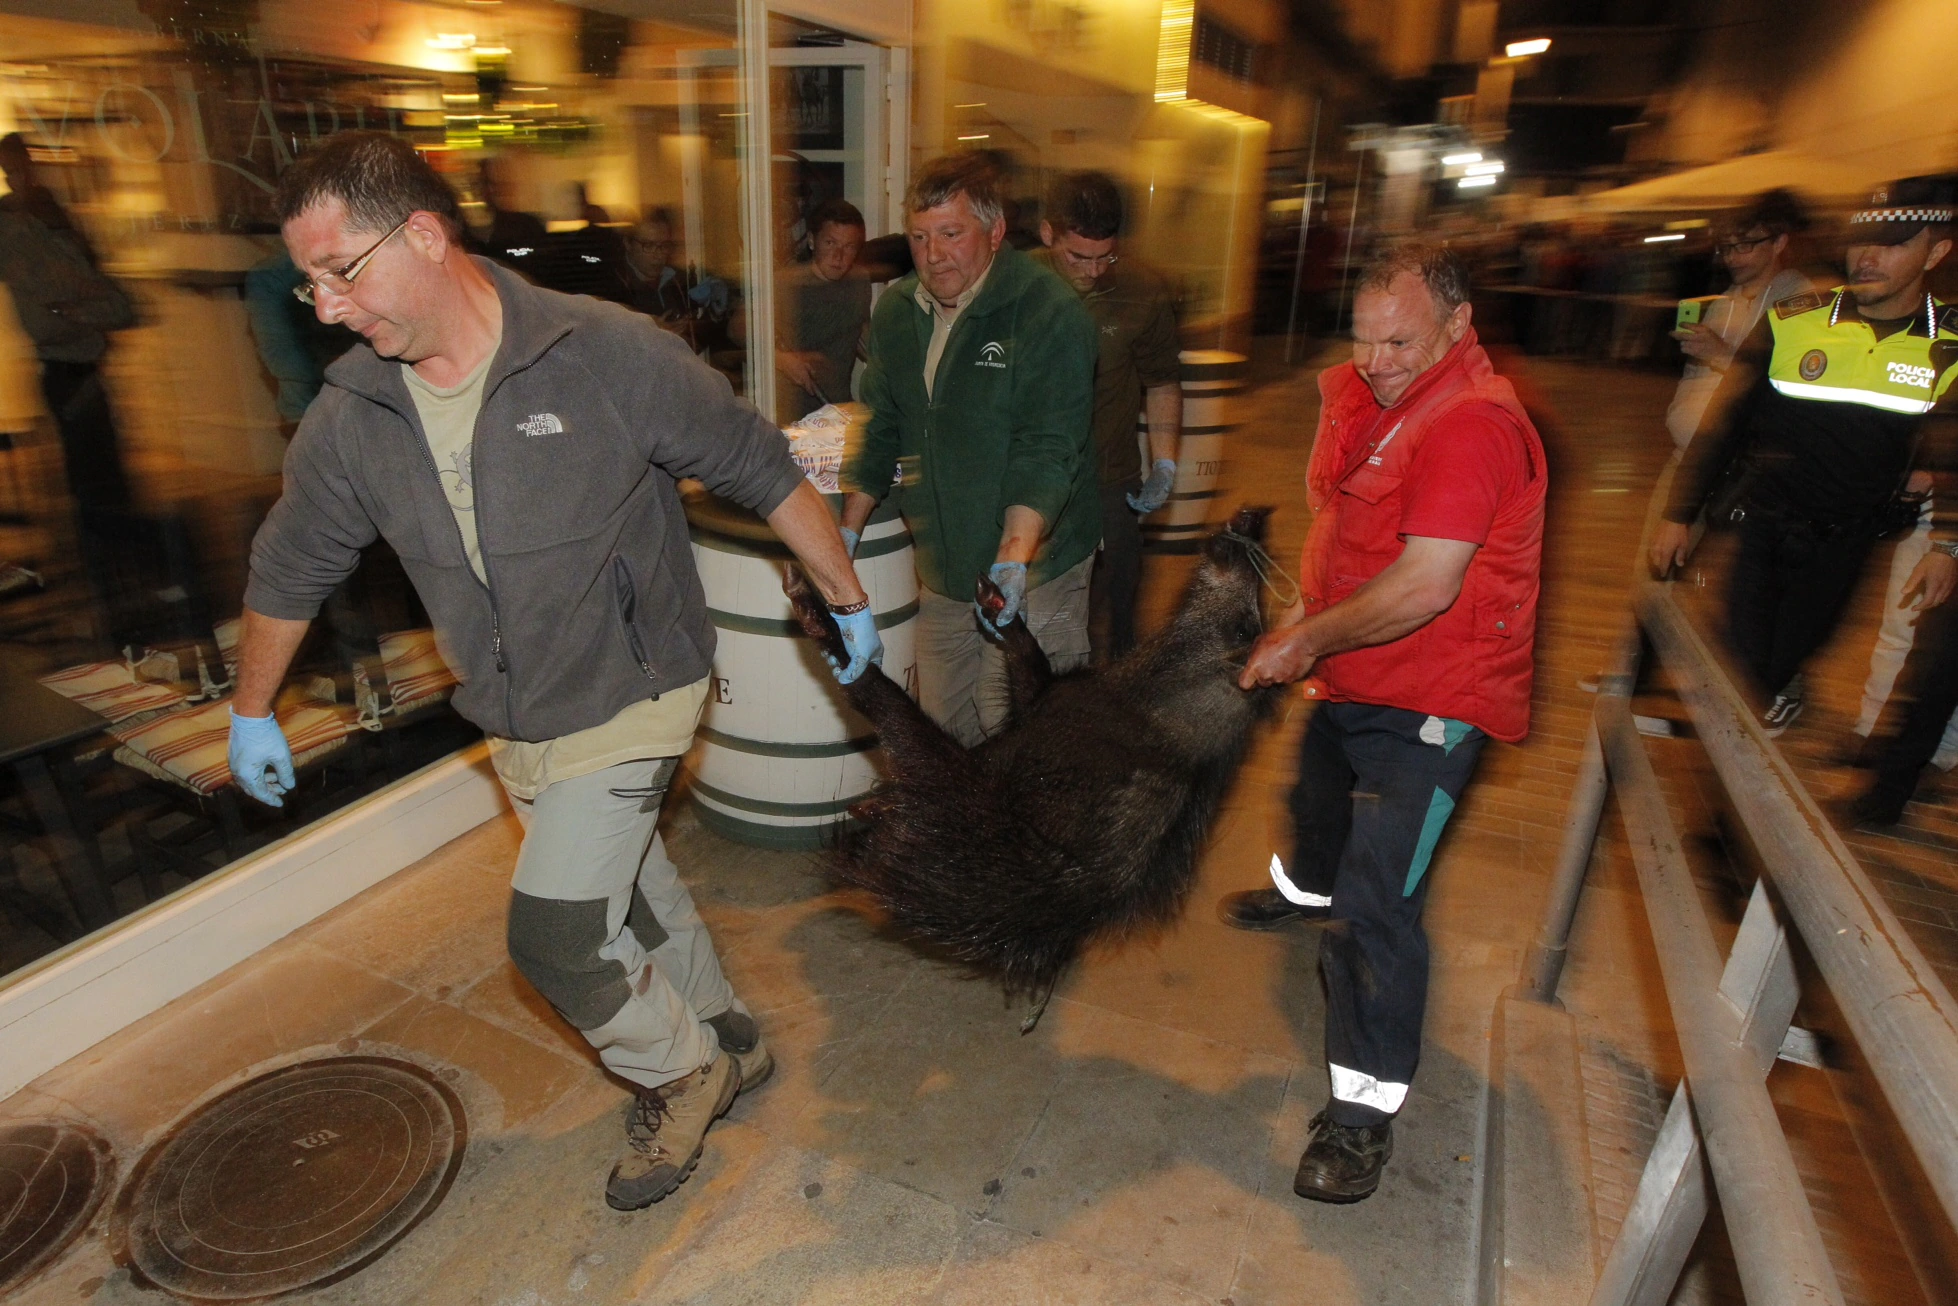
x=1828 y=355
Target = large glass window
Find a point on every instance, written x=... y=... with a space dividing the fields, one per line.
x=154 y=367
x=731 y=168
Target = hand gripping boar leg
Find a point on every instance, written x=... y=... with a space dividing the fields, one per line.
x=1085 y=815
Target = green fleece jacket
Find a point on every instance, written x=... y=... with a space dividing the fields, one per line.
x=1007 y=422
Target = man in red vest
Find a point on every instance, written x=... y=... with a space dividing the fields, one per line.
x=1415 y=636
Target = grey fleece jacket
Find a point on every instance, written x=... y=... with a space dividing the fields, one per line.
x=590 y=414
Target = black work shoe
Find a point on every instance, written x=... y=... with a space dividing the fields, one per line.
x=1265 y=909
x=1858 y=753
x=1343 y=1163
x=1878 y=809
x=740 y=1038
x=665 y=1130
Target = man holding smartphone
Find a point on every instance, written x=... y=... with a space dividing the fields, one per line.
x=1754 y=250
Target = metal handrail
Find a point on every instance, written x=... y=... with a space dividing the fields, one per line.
x=1777 y=1244
x=1897 y=1007
x=1722 y=1118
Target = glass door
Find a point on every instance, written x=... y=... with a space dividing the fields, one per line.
x=816 y=127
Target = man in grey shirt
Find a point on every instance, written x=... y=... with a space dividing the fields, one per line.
x=520 y=450
x=825 y=308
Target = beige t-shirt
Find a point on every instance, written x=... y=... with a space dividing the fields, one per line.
x=661 y=727
x=942 y=321
x=449 y=423
x=648 y=728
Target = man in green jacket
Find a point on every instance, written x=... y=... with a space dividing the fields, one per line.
x=981 y=391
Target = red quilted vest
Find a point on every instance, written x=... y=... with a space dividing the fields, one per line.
x=1475 y=661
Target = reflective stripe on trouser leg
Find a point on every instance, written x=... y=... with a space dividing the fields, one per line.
x=1291 y=892
x=1351 y=1085
x=600 y=923
x=1374 y=955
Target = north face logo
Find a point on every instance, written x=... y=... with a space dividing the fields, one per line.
x=541 y=424
x=992 y=354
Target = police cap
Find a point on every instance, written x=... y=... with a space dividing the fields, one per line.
x=1898 y=211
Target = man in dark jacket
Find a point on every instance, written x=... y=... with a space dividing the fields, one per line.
x=980 y=386
x=1136 y=369
x=519 y=449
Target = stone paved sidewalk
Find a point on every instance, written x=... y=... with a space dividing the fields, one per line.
x=914 y=1147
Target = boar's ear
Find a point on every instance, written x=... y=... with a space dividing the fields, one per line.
x=811 y=613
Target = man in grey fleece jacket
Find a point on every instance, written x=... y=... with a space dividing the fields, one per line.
x=519 y=449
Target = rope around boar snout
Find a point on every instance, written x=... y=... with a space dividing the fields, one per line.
x=1267 y=567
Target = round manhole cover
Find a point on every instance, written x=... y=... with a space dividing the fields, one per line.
x=52 y=1177
x=295 y=1179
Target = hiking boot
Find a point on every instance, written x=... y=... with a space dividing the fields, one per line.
x=1781 y=714
x=1342 y=1163
x=1265 y=909
x=740 y=1038
x=665 y=1129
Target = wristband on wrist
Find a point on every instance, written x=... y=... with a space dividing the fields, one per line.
x=1949 y=548
x=848 y=609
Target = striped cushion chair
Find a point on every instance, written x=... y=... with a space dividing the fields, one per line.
x=417 y=677
x=226 y=632
x=188 y=748
x=113 y=690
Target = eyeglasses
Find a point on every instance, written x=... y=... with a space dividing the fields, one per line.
x=340 y=280
x=1726 y=247
x=1098 y=264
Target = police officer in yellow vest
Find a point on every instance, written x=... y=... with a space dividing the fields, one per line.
x=1824 y=412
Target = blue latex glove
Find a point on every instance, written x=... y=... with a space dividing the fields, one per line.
x=850 y=539
x=1154 y=492
x=257 y=744
x=861 y=641
x=1011 y=579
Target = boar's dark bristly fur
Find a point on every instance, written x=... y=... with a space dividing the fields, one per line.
x=1085 y=815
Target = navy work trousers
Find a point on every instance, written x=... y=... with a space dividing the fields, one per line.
x=1376 y=786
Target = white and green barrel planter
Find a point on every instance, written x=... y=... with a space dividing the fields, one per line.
x=780 y=758
x=1212 y=381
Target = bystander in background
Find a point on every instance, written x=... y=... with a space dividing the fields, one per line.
x=823 y=314
x=1754 y=249
x=68 y=307
x=1136 y=368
